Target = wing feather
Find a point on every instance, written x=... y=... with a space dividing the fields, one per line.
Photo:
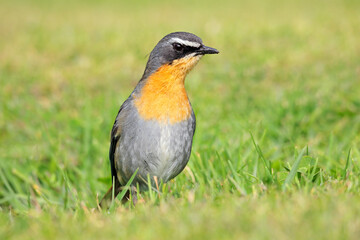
x=115 y=136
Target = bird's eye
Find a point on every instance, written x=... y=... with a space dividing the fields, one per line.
x=177 y=46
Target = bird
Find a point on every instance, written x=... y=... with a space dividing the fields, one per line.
x=153 y=131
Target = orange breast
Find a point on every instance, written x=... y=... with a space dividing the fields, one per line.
x=163 y=97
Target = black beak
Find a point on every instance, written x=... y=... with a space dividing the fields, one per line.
x=206 y=50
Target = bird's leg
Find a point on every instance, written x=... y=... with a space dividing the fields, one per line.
x=134 y=198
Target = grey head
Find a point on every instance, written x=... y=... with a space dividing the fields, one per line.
x=174 y=46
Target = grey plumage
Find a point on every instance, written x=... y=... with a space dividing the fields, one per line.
x=154 y=147
x=157 y=149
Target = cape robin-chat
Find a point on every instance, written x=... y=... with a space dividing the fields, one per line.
x=154 y=128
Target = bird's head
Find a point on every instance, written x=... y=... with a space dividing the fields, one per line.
x=181 y=49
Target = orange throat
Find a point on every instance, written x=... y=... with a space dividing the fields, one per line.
x=163 y=97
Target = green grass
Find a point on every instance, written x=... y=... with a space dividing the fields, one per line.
x=276 y=152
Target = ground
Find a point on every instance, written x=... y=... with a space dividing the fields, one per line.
x=276 y=152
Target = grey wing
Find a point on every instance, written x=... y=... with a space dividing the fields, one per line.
x=193 y=122
x=115 y=136
x=114 y=140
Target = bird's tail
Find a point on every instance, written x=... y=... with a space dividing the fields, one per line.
x=108 y=197
x=111 y=194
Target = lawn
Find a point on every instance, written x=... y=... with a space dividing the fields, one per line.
x=276 y=153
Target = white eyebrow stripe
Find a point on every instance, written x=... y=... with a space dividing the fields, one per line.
x=185 y=42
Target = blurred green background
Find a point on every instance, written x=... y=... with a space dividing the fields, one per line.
x=276 y=149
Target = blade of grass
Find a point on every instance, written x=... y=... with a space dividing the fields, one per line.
x=127 y=186
x=346 y=165
x=151 y=192
x=236 y=180
x=124 y=190
x=261 y=156
x=293 y=170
